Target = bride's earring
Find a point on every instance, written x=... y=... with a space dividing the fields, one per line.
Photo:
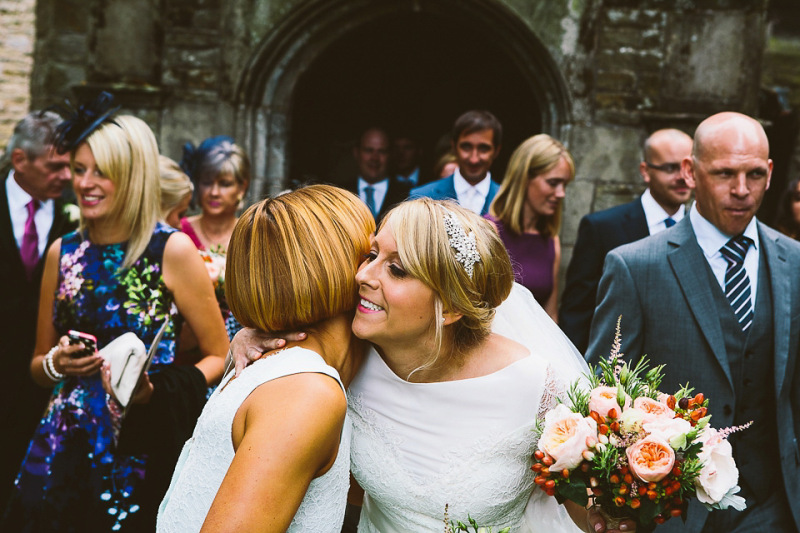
x=443 y=319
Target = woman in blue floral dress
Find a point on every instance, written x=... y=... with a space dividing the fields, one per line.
x=88 y=468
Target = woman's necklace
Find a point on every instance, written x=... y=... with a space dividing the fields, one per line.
x=220 y=240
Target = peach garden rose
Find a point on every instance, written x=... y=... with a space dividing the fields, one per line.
x=651 y=458
x=564 y=436
x=603 y=399
x=653 y=409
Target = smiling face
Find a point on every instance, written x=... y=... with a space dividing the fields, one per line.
x=93 y=189
x=730 y=169
x=475 y=153
x=546 y=191
x=220 y=194
x=372 y=155
x=394 y=310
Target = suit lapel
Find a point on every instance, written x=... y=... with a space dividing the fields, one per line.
x=689 y=265
x=493 y=187
x=635 y=226
x=7 y=242
x=780 y=281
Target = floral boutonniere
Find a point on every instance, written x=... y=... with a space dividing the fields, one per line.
x=72 y=212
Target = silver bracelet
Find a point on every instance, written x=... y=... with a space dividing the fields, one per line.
x=49 y=368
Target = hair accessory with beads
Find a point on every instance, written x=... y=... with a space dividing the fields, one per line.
x=463 y=243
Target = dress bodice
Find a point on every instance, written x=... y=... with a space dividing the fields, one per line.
x=206 y=457
x=467 y=443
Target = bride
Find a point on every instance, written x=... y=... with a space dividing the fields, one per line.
x=444 y=406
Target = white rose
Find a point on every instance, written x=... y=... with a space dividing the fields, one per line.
x=672 y=430
x=564 y=436
x=631 y=419
x=719 y=473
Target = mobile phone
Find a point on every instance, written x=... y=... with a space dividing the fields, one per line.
x=89 y=342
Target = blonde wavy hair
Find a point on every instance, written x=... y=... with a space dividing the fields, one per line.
x=292 y=259
x=535 y=156
x=175 y=184
x=424 y=248
x=126 y=152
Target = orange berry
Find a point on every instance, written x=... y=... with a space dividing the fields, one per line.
x=659 y=519
x=635 y=503
x=548 y=461
x=642 y=490
x=671 y=401
x=614 y=479
x=619 y=501
x=676 y=512
x=597 y=492
x=603 y=429
x=676 y=471
x=615 y=426
x=545 y=472
x=668 y=491
x=539 y=480
x=699 y=398
x=537 y=467
x=549 y=484
x=652 y=485
x=628 y=479
x=652 y=494
x=539 y=454
x=697 y=414
x=584 y=466
x=565 y=473
x=624 y=470
x=612 y=413
x=623 y=489
x=596 y=417
x=550 y=492
x=691 y=403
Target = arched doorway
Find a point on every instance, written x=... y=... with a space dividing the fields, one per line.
x=335 y=67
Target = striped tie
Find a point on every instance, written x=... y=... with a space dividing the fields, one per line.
x=737 y=282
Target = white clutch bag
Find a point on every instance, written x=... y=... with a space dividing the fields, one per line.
x=128 y=360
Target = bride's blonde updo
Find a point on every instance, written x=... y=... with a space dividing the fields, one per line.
x=424 y=247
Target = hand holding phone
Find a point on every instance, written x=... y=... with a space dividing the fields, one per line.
x=89 y=342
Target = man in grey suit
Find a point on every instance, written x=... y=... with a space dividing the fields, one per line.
x=717 y=298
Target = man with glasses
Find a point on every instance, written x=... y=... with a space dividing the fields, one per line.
x=660 y=206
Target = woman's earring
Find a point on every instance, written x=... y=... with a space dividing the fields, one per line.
x=443 y=320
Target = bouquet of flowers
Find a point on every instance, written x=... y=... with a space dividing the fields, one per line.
x=214 y=260
x=641 y=454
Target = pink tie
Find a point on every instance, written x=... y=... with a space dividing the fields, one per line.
x=29 y=251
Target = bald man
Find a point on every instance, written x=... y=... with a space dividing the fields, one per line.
x=717 y=299
x=661 y=206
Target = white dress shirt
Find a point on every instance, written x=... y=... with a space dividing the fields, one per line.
x=18 y=201
x=711 y=240
x=655 y=214
x=469 y=197
x=380 y=187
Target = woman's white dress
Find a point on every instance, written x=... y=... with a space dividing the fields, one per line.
x=206 y=457
x=466 y=444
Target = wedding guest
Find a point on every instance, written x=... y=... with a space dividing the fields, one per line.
x=788 y=218
x=220 y=170
x=289 y=407
x=176 y=191
x=32 y=216
x=441 y=366
x=527 y=214
x=87 y=467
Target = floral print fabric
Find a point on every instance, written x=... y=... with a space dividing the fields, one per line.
x=73 y=477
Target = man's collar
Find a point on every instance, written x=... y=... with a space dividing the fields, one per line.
x=461 y=185
x=710 y=238
x=653 y=211
x=381 y=185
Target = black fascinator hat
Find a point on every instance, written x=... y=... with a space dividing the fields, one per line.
x=81 y=122
x=193 y=157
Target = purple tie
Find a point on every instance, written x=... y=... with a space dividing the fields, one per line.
x=29 y=251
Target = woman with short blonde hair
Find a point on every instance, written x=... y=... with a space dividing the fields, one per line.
x=527 y=214
x=176 y=191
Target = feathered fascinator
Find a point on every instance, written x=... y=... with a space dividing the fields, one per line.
x=81 y=122
x=193 y=157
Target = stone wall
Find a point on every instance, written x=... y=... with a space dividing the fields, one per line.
x=16 y=62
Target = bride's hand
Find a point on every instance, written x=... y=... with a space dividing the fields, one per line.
x=597 y=524
x=250 y=344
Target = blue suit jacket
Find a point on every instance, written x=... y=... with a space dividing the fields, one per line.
x=444 y=189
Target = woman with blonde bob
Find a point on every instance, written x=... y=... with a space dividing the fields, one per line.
x=87 y=468
x=271 y=449
x=462 y=363
x=527 y=214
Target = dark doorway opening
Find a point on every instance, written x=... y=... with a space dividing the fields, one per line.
x=411 y=71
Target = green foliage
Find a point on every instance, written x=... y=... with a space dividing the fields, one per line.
x=579 y=399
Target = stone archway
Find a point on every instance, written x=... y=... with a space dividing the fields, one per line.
x=267 y=91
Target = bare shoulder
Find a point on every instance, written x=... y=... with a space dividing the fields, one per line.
x=492 y=355
x=179 y=243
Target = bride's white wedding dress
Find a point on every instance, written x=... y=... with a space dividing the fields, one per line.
x=208 y=454
x=466 y=444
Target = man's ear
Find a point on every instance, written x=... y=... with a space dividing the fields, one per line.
x=643 y=172
x=18 y=158
x=687 y=171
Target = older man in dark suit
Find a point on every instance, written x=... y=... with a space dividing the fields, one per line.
x=661 y=206
x=32 y=216
x=374 y=185
x=717 y=298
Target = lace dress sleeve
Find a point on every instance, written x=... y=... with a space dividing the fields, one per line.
x=554 y=389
